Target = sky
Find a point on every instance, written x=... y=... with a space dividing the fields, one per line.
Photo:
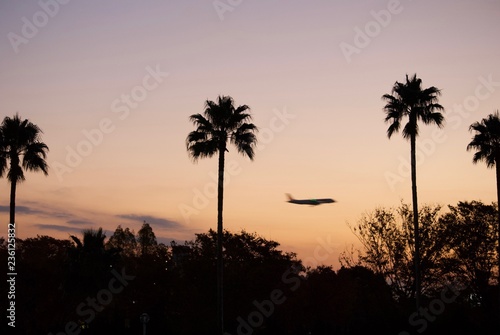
x=112 y=85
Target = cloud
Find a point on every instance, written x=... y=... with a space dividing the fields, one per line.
x=80 y=222
x=60 y=215
x=161 y=222
x=43 y=210
x=58 y=228
x=32 y=210
x=21 y=209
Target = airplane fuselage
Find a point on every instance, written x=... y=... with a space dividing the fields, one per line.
x=312 y=202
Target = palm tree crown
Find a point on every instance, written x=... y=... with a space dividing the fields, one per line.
x=410 y=100
x=221 y=122
x=486 y=141
x=20 y=138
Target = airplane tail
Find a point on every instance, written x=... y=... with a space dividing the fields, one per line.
x=289 y=196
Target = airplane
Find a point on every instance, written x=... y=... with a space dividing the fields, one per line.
x=312 y=202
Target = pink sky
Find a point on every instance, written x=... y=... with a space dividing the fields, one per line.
x=115 y=83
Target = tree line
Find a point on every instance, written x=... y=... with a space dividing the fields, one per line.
x=91 y=284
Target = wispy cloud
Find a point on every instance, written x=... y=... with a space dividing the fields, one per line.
x=59 y=215
x=160 y=222
x=22 y=209
x=79 y=222
x=60 y=228
x=38 y=209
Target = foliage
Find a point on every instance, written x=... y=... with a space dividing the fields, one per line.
x=89 y=262
x=21 y=138
x=410 y=100
x=221 y=121
x=146 y=239
x=486 y=140
x=266 y=286
x=471 y=248
x=123 y=240
x=457 y=246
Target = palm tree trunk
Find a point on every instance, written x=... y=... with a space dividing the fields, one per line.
x=497 y=166
x=416 y=257
x=13 y=185
x=220 y=264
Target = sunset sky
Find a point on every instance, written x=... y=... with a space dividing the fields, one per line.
x=112 y=85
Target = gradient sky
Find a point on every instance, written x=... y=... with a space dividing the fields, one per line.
x=312 y=72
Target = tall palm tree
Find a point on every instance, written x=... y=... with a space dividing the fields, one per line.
x=221 y=123
x=410 y=100
x=486 y=142
x=21 y=145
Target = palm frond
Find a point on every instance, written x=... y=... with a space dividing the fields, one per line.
x=393 y=128
x=15 y=173
x=77 y=241
x=200 y=122
x=202 y=149
x=3 y=155
x=244 y=139
x=21 y=138
x=410 y=129
x=486 y=140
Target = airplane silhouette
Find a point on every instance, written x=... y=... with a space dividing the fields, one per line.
x=312 y=202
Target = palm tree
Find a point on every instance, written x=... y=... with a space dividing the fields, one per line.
x=89 y=261
x=410 y=100
x=92 y=243
x=221 y=122
x=20 y=138
x=486 y=142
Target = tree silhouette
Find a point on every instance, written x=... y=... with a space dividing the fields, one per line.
x=486 y=142
x=387 y=238
x=410 y=100
x=221 y=122
x=20 y=138
x=89 y=261
x=470 y=228
x=124 y=241
x=41 y=261
x=146 y=239
x=253 y=267
x=268 y=289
